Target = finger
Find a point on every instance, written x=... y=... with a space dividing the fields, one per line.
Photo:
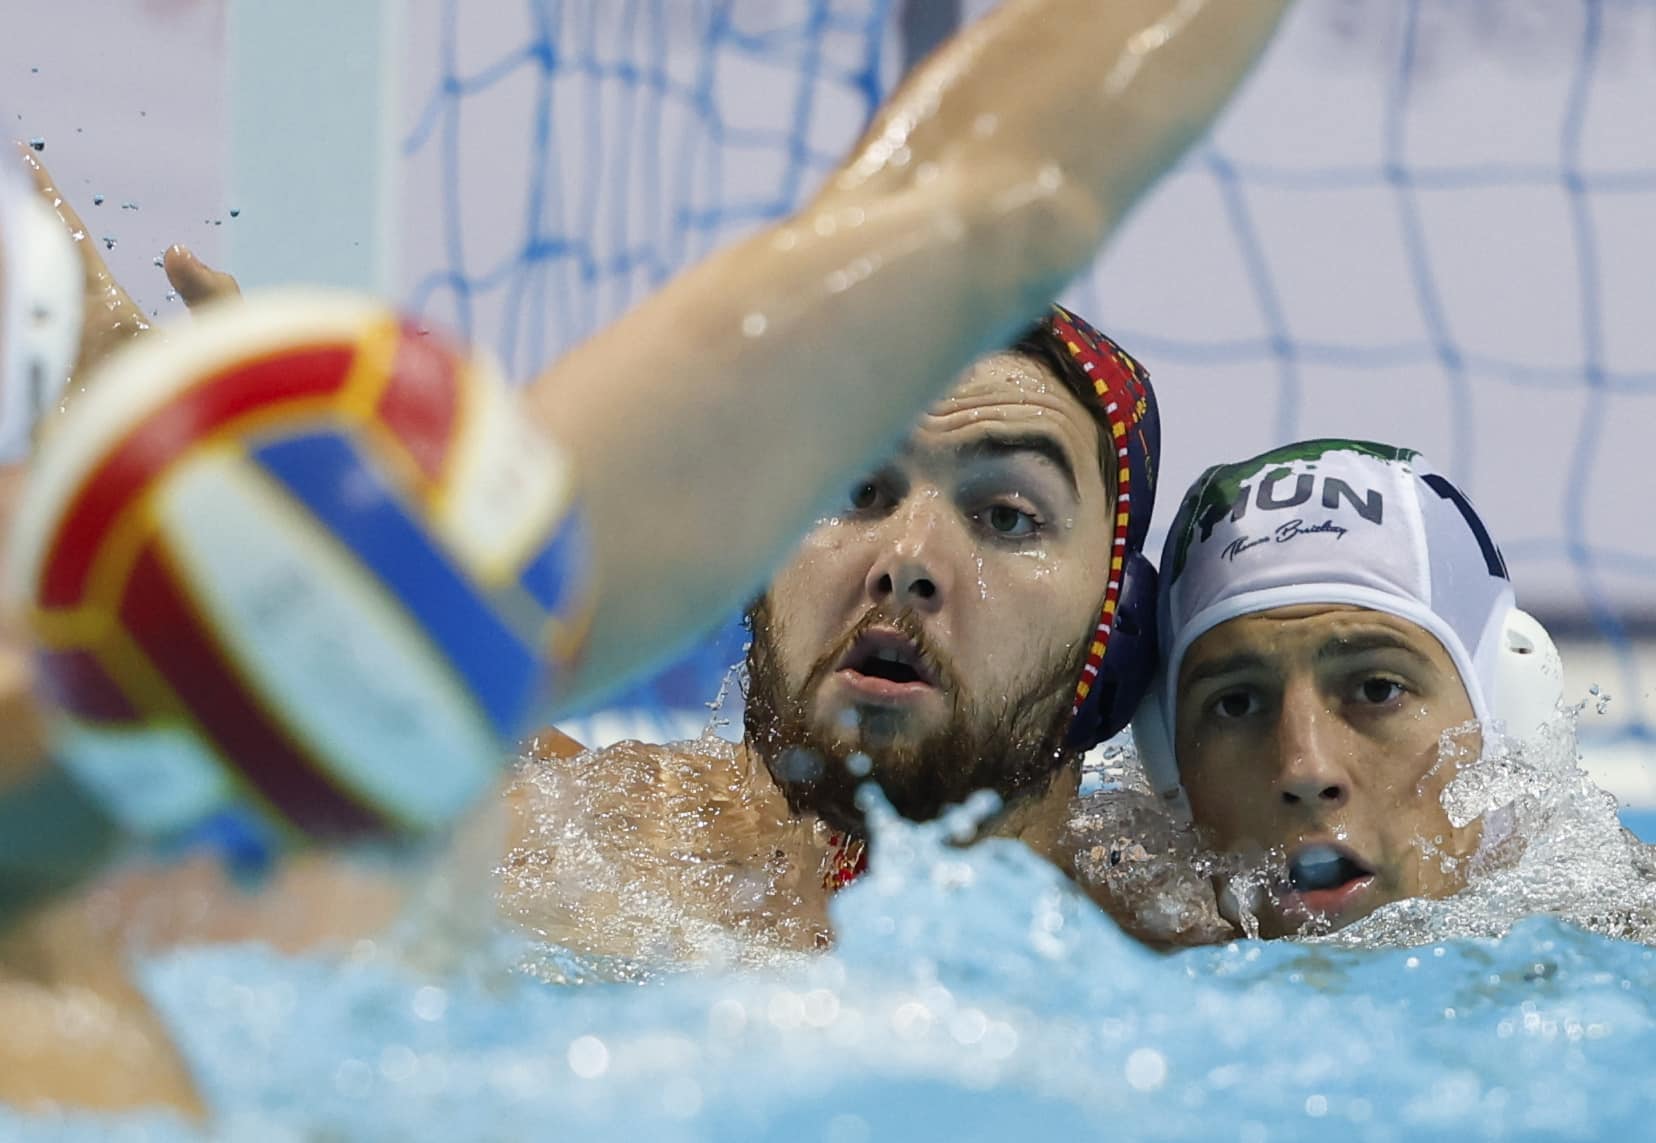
x=196 y=282
x=104 y=295
x=48 y=190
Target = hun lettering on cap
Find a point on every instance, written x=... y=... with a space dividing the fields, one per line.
x=1283 y=497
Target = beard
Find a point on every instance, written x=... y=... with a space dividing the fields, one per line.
x=1012 y=747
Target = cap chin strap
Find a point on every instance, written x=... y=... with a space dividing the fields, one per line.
x=41 y=288
x=1528 y=690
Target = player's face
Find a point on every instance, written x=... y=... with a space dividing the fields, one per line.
x=1308 y=739
x=957 y=586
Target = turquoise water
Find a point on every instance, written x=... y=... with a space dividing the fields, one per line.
x=975 y=994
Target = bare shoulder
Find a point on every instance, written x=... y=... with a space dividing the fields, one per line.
x=643 y=848
x=670 y=793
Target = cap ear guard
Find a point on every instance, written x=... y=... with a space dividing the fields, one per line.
x=1529 y=676
x=1123 y=646
x=1528 y=691
x=1153 y=739
x=1127 y=667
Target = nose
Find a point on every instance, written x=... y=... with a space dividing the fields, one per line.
x=1313 y=763
x=909 y=569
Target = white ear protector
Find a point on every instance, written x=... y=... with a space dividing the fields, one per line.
x=41 y=291
x=1529 y=677
x=1528 y=689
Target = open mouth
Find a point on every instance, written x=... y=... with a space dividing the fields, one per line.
x=883 y=657
x=1321 y=873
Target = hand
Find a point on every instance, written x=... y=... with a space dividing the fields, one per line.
x=1142 y=867
x=196 y=282
x=111 y=317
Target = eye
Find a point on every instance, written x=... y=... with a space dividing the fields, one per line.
x=1378 y=690
x=1005 y=520
x=1236 y=704
x=865 y=496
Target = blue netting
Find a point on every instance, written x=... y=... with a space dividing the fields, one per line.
x=564 y=166
x=1594 y=584
x=644 y=149
x=651 y=132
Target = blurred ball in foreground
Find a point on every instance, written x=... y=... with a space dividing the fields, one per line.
x=301 y=559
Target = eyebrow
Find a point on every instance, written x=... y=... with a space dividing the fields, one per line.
x=1230 y=664
x=1339 y=647
x=1363 y=642
x=999 y=446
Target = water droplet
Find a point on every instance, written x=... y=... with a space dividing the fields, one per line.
x=38 y=143
x=235 y=212
x=353 y=1079
x=589 y=1058
x=97 y=200
x=398 y=1063
x=109 y=243
x=911 y=1020
x=1146 y=1069
x=796 y=764
x=430 y=1003
x=727 y=1018
x=822 y=1007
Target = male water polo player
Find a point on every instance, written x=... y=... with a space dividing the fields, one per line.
x=803 y=352
x=972 y=198
x=973 y=615
x=1340 y=636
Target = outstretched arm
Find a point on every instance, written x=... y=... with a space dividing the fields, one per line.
x=788 y=362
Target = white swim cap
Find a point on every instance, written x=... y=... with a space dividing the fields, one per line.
x=41 y=289
x=1353 y=522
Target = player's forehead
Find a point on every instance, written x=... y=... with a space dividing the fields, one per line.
x=1008 y=393
x=1308 y=636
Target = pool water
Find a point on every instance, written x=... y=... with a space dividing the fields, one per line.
x=974 y=994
